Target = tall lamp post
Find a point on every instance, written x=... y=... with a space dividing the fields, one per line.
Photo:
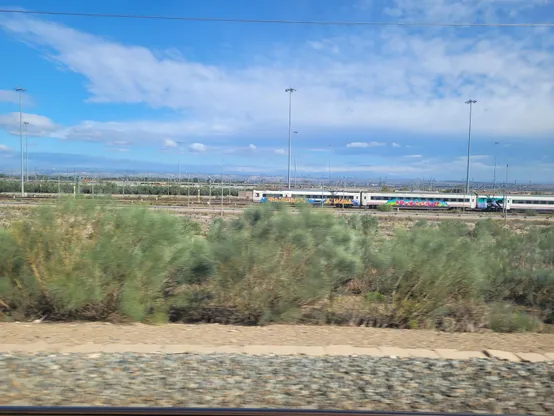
x=505 y=202
x=295 y=132
x=21 y=90
x=494 y=173
x=329 y=167
x=470 y=102
x=26 y=123
x=290 y=91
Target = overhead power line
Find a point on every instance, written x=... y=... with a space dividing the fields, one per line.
x=290 y=22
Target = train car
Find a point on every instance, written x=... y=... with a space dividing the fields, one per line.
x=516 y=203
x=418 y=200
x=313 y=197
x=490 y=203
x=531 y=202
x=540 y=203
x=408 y=200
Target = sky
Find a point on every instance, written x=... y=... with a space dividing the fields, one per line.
x=370 y=101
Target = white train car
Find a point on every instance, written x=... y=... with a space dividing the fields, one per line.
x=418 y=200
x=516 y=202
x=530 y=202
x=313 y=196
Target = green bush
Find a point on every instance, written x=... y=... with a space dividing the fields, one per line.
x=384 y=208
x=505 y=318
x=79 y=260
x=271 y=263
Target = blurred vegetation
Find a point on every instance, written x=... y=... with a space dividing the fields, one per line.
x=79 y=260
x=111 y=188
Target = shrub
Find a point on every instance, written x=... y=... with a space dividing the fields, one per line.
x=384 y=208
x=86 y=261
x=505 y=318
x=270 y=263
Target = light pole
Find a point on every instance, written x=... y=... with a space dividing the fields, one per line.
x=505 y=204
x=494 y=173
x=21 y=90
x=290 y=91
x=330 y=150
x=470 y=102
x=222 y=162
x=295 y=132
x=26 y=123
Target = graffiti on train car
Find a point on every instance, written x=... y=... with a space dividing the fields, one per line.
x=285 y=199
x=490 y=203
x=341 y=201
x=419 y=203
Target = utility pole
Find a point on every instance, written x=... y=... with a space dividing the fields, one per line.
x=290 y=91
x=294 y=173
x=329 y=170
x=21 y=90
x=295 y=133
x=188 y=189
x=470 y=102
x=222 y=188
x=494 y=174
x=505 y=205
x=26 y=123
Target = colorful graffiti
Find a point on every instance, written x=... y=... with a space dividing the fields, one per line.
x=285 y=199
x=417 y=203
x=341 y=201
x=313 y=201
x=490 y=203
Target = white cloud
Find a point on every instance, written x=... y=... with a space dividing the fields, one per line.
x=9 y=96
x=4 y=148
x=197 y=147
x=365 y=144
x=170 y=143
x=420 y=84
x=252 y=147
x=393 y=144
x=119 y=143
x=460 y=11
x=38 y=125
x=413 y=156
x=281 y=152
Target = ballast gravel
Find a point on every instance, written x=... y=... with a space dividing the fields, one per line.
x=233 y=380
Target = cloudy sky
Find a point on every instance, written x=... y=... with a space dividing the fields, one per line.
x=374 y=100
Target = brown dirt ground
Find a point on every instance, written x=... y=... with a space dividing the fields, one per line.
x=295 y=335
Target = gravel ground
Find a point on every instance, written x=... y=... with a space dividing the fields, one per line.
x=220 y=380
x=216 y=335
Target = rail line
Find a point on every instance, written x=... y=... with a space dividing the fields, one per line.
x=187 y=411
x=236 y=210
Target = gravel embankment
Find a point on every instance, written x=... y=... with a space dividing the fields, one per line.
x=220 y=380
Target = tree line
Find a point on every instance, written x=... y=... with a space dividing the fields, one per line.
x=112 y=188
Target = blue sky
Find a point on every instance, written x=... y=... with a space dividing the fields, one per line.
x=378 y=101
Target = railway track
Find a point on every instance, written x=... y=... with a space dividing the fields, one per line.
x=232 y=209
x=183 y=411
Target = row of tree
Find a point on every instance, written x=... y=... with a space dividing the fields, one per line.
x=112 y=188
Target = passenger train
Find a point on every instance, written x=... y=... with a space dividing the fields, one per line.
x=413 y=200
